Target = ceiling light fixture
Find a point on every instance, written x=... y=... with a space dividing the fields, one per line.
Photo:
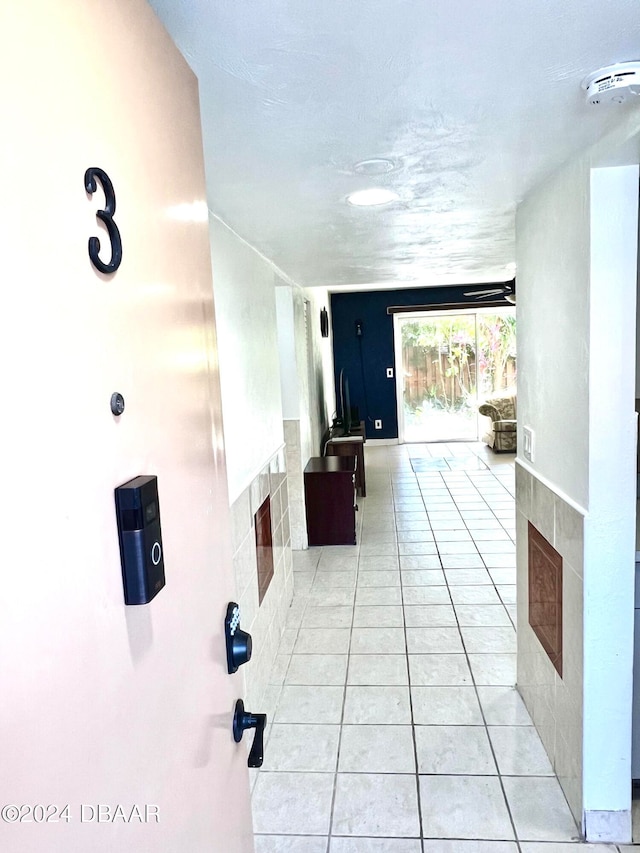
x=372 y=197
x=374 y=166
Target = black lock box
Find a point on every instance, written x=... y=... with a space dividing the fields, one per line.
x=138 y=514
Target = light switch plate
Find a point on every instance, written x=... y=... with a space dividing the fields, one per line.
x=528 y=440
x=389 y=372
x=377 y=424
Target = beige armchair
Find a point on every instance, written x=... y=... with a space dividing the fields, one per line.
x=500 y=424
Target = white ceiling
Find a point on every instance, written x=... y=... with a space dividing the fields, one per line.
x=475 y=101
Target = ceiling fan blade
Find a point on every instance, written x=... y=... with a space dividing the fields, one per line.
x=483 y=294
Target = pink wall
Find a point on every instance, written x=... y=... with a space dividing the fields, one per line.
x=103 y=703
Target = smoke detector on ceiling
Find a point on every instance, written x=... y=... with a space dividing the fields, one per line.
x=613 y=84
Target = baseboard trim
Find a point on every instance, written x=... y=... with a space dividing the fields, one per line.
x=380 y=442
x=607 y=827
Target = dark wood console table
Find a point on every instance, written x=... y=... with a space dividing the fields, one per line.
x=340 y=444
x=330 y=497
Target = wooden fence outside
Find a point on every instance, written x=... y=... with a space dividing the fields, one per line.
x=425 y=377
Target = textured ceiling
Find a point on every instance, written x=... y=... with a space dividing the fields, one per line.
x=475 y=102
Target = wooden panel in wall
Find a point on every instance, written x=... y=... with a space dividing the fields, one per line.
x=264 y=548
x=545 y=595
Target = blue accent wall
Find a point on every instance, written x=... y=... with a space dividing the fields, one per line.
x=365 y=359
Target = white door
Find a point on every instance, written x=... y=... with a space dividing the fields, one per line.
x=103 y=704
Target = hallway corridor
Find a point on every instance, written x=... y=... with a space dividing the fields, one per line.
x=395 y=725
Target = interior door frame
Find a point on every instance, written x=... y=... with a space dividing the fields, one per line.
x=397 y=349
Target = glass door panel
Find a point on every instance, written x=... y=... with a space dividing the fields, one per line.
x=496 y=354
x=449 y=363
x=439 y=369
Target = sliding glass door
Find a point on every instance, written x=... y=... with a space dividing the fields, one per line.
x=446 y=364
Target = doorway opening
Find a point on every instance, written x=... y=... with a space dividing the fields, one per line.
x=446 y=364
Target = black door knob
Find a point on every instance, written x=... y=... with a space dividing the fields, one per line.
x=243 y=720
x=239 y=643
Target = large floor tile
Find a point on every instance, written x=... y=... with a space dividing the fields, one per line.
x=309 y=705
x=337 y=597
x=467 y=577
x=322 y=641
x=307 y=747
x=445 y=706
x=430 y=615
x=491 y=536
x=481 y=615
x=457 y=548
x=440 y=670
x=503 y=577
x=454 y=750
x=425 y=595
x=375 y=845
x=378 y=563
x=295 y=803
x=493 y=669
x=508 y=593
x=441 y=845
x=462 y=561
x=317 y=669
x=539 y=809
x=377 y=670
x=378 y=549
x=464 y=807
x=377 y=749
x=417 y=549
x=519 y=751
x=290 y=844
x=332 y=580
x=338 y=563
x=387 y=578
x=568 y=847
x=376 y=805
x=434 y=641
x=327 y=617
x=378 y=616
x=488 y=640
x=415 y=536
x=423 y=577
x=474 y=595
x=499 y=561
x=377 y=706
x=503 y=706
x=378 y=595
x=378 y=641
x=420 y=563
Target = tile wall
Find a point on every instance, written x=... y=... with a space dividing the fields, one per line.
x=265 y=622
x=295 y=481
x=555 y=703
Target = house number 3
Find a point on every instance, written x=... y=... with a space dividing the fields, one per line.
x=106 y=216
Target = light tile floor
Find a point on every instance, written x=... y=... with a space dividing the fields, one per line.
x=396 y=725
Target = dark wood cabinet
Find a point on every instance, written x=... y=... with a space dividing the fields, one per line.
x=330 y=497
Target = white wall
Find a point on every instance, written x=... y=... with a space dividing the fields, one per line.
x=553 y=328
x=289 y=384
x=610 y=528
x=304 y=374
x=245 y=302
x=321 y=394
x=576 y=255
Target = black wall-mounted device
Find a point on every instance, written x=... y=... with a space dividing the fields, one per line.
x=239 y=643
x=138 y=514
x=324 y=323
